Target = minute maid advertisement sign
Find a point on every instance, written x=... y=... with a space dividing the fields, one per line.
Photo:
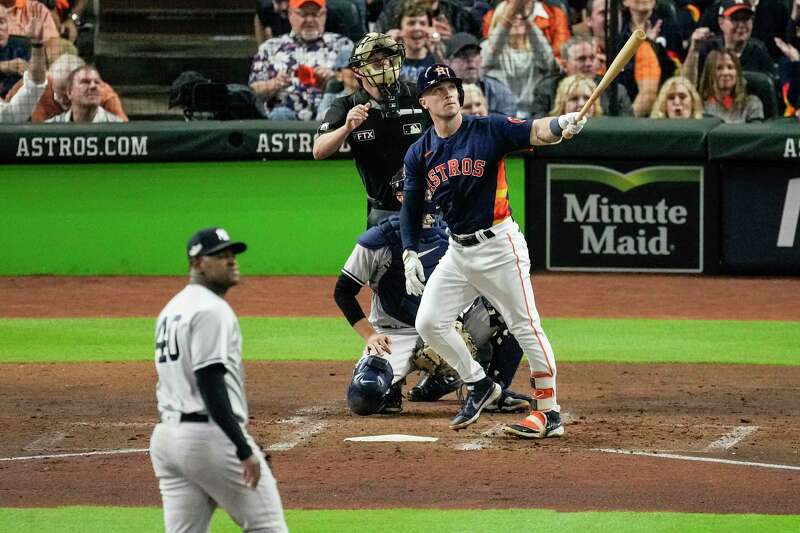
x=648 y=219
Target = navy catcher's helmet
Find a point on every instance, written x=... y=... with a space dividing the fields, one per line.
x=436 y=74
x=372 y=379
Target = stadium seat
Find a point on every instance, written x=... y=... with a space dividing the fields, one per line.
x=763 y=86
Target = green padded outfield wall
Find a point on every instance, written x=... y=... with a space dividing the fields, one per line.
x=299 y=217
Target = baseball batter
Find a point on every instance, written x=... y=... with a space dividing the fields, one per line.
x=201 y=451
x=458 y=164
x=393 y=346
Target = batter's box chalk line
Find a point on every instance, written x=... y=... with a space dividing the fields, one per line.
x=733 y=438
x=307 y=425
x=79 y=454
x=50 y=440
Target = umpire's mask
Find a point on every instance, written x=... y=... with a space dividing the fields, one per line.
x=378 y=58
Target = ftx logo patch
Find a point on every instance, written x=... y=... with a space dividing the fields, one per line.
x=412 y=129
x=365 y=135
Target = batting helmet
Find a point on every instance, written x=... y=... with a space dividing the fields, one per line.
x=372 y=378
x=436 y=74
x=369 y=58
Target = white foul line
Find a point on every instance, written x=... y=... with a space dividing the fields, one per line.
x=80 y=454
x=732 y=438
x=693 y=458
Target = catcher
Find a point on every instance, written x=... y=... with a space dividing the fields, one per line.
x=393 y=348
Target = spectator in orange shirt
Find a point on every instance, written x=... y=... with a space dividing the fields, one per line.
x=548 y=16
x=24 y=14
x=55 y=100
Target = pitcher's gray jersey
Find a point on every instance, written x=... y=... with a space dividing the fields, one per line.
x=196 y=329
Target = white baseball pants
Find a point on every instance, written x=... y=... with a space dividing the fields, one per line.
x=402 y=347
x=198 y=470
x=499 y=269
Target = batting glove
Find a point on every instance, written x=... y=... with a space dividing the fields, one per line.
x=415 y=274
x=569 y=123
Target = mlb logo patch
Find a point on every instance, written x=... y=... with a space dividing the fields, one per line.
x=515 y=120
x=365 y=135
x=412 y=129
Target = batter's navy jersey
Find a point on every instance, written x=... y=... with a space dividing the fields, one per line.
x=464 y=174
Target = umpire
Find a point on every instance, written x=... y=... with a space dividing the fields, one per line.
x=379 y=121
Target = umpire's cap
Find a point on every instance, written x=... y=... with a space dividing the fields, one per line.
x=210 y=241
x=436 y=74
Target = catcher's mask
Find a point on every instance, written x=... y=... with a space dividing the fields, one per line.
x=372 y=378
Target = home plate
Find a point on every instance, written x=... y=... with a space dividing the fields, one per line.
x=392 y=438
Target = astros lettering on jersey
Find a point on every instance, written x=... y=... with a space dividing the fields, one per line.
x=447 y=168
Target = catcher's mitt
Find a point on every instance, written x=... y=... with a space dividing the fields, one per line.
x=426 y=359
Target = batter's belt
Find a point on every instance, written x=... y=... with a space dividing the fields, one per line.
x=471 y=239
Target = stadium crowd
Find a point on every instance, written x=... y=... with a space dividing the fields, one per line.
x=737 y=60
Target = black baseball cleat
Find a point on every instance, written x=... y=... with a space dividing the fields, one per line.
x=537 y=425
x=432 y=388
x=394 y=399
x=509 y=402
x=480 y=394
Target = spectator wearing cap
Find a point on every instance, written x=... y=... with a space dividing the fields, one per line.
x=464 y=56
x=577 y=58
x=289 y=71
x=769 y=20
x=83 y=91
x=736 y=23
x=423 y=44
x=344 y=83
x=517 y=52
x=448 y=16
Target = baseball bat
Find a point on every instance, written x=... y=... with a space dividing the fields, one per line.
x=625 y=55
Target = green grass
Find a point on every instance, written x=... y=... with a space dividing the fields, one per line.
x=144 y=519
x=298 y=217
x=575 y=340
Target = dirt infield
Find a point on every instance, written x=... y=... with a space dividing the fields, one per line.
x=299 y=411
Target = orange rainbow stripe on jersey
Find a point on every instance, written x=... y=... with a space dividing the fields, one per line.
x=502 y=210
